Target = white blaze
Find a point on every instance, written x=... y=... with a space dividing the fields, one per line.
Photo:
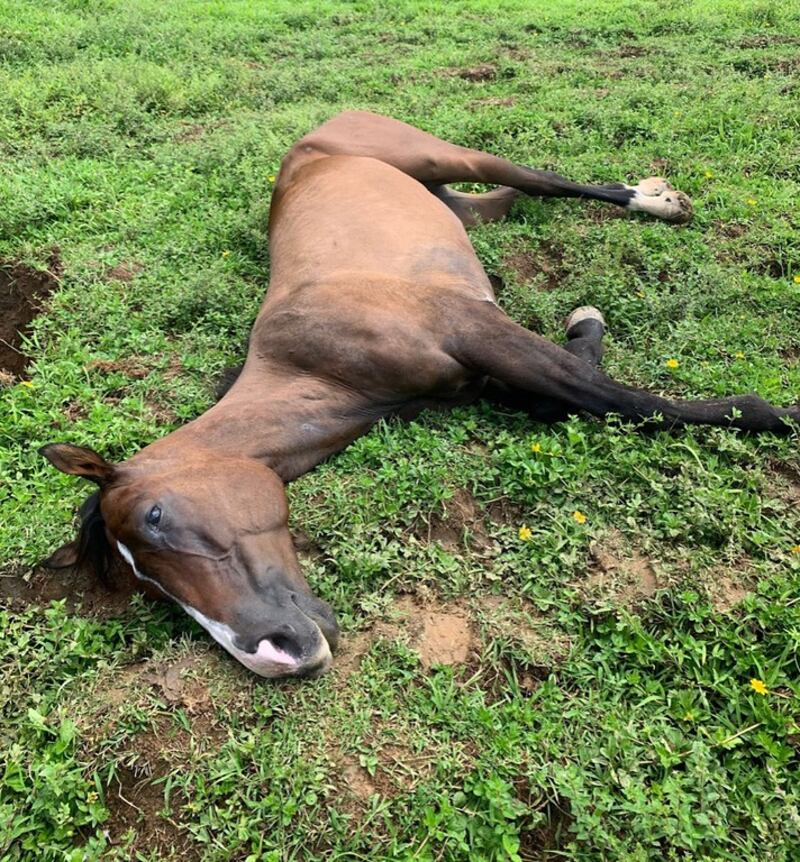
x=268 y=660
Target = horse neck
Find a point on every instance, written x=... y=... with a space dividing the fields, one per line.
x=290 y=422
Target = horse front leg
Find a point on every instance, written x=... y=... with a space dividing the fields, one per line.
x=585 y=329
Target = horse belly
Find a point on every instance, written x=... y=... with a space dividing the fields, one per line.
x=355 y=214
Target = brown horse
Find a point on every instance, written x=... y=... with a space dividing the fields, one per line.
x=377 y=305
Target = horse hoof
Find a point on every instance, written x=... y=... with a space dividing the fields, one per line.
x=657 y=197
x=584 y=312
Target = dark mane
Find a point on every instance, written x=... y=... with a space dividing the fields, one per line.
x=94 y=549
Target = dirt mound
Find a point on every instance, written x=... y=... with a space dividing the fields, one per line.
x=22 y=291
x=83 y=591
x=441 y=634
x=459 y=526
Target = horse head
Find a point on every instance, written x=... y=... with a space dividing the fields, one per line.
x=210 y=532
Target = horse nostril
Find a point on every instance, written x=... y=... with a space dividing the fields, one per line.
x=285 y=644
x=321 y=614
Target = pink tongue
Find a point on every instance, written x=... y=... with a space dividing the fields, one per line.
x=269 y=652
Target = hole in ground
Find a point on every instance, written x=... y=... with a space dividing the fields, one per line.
x=22 y=291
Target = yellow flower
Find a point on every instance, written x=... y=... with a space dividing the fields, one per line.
x=525 y=533
x=709 y=174
x=26 y=383
x=797 y=279
x=271 y=178
x=579 y=517
x=758 y=686
x=739 y=355
x=751 y=202
x=795 y=549
x=672 y=363
x=689 y=716
x=536 y=447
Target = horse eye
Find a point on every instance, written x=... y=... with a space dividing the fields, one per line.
x=153 y=516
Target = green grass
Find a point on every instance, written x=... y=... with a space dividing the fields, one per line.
x=612 y=718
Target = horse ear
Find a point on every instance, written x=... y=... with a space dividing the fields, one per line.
x=64 y=557
x=79 y=461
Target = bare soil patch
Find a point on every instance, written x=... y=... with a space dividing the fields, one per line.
x=476 y=74
x=136 y=803
x=193 y=131
x=307 y=549
x=440 y=633
x=503 y=512
x=544 y=265
x=785 y=482
x=356 y=779
x=445 y=637
x=598 y=212
x=545 y=842
x=631 y=50
x=167 y=686
x=124 y=271
x=767 y=264
x=519 y=622
x=497 y=101
x=135 y=797
x=619 y=572
x=397 y=765
x=730 y=230
x=459 y=526
x=531 y=646
x=135 y=367
x=726 y=583
x=727 y=591
x=83 y=591
x=22 y=294
x=177 y=684
x=765 y=40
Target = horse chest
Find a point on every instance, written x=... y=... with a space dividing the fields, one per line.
x=385 y=345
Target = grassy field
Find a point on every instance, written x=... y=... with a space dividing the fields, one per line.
x=579 y=690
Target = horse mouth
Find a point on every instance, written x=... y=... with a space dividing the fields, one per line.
x=277 y=657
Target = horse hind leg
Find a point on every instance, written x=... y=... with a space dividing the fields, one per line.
x=435 y=162
x=474 y=209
